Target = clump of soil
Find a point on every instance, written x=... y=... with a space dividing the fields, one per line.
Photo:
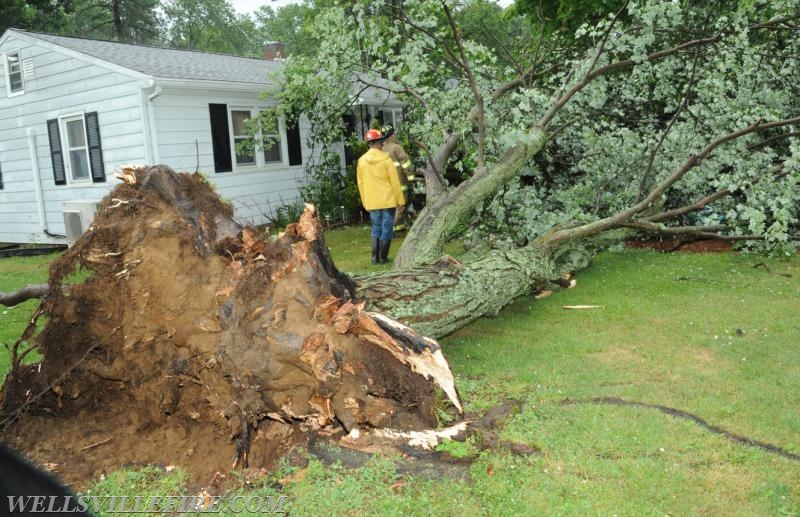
x=197 y=342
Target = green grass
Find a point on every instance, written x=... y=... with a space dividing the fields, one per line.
x=706 y=334
x=146 y=482
x=17 y=272
x=710 y=335
x=350 y=247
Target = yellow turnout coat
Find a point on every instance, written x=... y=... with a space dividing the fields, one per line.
x=378 y=183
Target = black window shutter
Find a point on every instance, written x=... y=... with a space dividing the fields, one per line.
x=56 y=154
x=95 y=150
x=1 y=177
x=293 y=141
x=220 y=137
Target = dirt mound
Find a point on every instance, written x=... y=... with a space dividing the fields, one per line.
x=197 y=342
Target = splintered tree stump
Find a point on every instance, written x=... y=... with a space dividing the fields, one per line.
x=191 y=340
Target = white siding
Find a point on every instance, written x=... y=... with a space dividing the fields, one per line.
x=178 y=134
x=60 y=85
x=184 y=143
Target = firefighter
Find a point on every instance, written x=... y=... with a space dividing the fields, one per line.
x=405 y=171
x=381 y=194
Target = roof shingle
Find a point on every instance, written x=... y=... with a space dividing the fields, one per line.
x=170 y=63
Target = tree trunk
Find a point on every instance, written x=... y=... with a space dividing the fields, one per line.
x=423 y=244
x=449 y=294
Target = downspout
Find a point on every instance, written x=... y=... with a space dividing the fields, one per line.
x=151 y=114
x=37 y=183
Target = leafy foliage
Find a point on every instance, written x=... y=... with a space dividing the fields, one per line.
x=35 y=15
x=287 y=25
x=210 y=25
x=331 y=187
x=632 y=132
x=614 y=136
x=127 y=21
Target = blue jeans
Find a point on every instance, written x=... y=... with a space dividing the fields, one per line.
x=382 y=223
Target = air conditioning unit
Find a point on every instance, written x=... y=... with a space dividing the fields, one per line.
x=78 y=215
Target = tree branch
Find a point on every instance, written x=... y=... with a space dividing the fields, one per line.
x=448 y=53
x=591 y=75
x=662 y=139
x=481 y=158
x=26 y=293
x=660 y=229
x=777 y=23
x=701 y=232
x=687 y=209
x=694 y=160
x=435 y=184
x=618 y=219
x=766 y=141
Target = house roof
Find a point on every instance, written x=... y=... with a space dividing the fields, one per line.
x=169 y=63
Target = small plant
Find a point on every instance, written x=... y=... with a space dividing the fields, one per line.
x=285 y=214
x=459 y=449
x=442 y=410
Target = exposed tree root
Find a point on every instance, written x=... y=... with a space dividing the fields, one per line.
x=190 y=335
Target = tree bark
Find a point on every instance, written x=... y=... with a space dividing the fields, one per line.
x=423 y=244
x=449 y=294
x=440 y=298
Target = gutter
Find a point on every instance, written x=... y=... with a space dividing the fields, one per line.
x=212 y=85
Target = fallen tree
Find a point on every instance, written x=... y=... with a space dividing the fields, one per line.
x=595 y=121
x=662 y=119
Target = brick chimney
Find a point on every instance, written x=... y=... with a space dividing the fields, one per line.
x=274 y=51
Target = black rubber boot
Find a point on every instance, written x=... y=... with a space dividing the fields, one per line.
x=383 y=251
x=376 y=246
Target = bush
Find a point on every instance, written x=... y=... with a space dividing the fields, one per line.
x=332 y=188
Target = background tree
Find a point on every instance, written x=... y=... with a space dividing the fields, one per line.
x=564 y=15
x=287 y=25
x=35 y=15
x=208 y=25
x=126 y=21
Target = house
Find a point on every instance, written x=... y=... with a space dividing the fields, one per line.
x=73 y=110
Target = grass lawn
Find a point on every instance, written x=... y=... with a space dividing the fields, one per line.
x=15 y=273
x=707 y=335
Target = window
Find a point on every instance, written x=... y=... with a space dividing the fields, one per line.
x=220 y=143
x=240 y=135
x=14 y=73
x=229 y=128
x=77 y=151
x=293 y=142
x=272 y=145
x=76 y=137
x=271 y=140
x=393 y=116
